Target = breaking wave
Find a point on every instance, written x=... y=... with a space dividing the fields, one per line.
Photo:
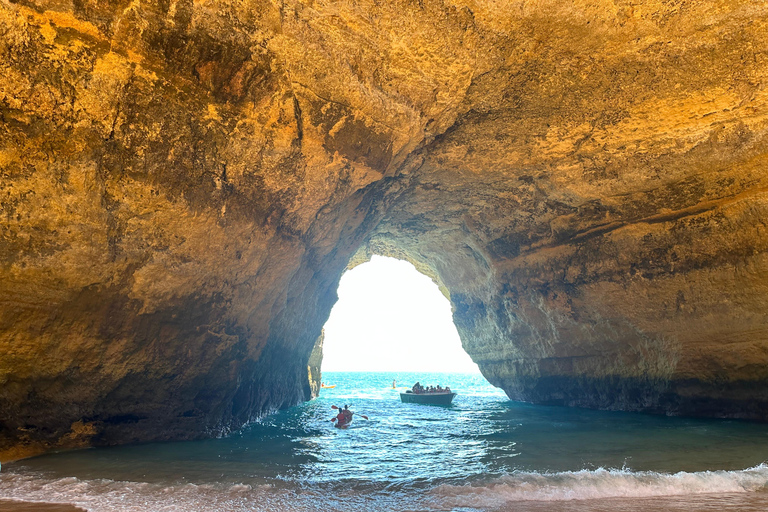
x=600 y=484
x=110 y=496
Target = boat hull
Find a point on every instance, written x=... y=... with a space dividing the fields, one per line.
x=427 y=398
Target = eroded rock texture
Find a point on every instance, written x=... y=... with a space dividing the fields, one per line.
x=183 y=183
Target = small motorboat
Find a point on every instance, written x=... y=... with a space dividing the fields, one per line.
x=440 y=398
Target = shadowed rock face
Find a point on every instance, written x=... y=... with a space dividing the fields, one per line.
x=183 y=183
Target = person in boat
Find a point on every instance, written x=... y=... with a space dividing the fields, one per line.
x=341 y=418
x=347 y=414
x=417 y=388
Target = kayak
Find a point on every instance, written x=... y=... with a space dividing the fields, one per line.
x=328 y=387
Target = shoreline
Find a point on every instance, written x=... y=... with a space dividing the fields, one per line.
x=9 y=505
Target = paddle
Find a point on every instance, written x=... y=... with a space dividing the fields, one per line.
x=336 y=407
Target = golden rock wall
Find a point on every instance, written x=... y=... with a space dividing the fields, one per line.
x=183 y=183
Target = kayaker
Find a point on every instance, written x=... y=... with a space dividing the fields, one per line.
x=341 y=419
x=344 y=418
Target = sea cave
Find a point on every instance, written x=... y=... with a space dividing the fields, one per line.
x=182 y=185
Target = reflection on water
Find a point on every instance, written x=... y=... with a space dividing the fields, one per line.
x=484 y=453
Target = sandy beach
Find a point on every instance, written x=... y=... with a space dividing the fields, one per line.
x=25 y=506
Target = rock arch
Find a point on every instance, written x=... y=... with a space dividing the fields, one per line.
x=184 y=183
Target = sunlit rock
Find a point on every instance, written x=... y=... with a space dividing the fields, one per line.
x=183 y=183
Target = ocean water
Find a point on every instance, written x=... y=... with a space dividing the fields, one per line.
x=483 y=453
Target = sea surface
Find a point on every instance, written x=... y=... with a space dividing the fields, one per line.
x=483 y=453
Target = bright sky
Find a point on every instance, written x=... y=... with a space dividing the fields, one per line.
x=390 y=317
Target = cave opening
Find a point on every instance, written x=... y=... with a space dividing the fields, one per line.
x=391 y=318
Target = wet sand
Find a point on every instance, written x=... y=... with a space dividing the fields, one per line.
x=26 y=506
x=739 y=502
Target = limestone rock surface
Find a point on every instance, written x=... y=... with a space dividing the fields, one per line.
x=182 y=184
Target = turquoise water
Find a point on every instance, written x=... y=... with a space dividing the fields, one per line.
x=484 y=453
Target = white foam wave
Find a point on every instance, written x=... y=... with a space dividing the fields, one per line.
x=600 y=484
x=113 y=496
x=123 y=496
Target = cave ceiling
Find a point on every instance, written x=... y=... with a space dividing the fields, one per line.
x=183 y=183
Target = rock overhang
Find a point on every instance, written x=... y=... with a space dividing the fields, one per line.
x=184 y=183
